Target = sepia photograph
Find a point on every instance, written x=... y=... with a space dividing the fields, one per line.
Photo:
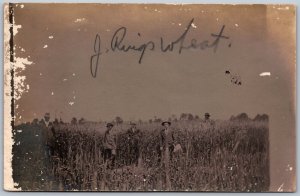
x=149 y=97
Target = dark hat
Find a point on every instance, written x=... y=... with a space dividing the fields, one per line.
x=109 y=125
x=207 y=114
x=164 y=122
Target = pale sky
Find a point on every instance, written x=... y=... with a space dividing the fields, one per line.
x=59 y=41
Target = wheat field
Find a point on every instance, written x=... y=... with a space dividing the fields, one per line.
x=223 y=156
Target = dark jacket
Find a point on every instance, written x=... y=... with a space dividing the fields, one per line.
x=134 y=138
x=109 y=141
x=167 y=139
x=47 y=133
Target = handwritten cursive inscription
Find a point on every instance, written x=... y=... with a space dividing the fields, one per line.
x=118 y=44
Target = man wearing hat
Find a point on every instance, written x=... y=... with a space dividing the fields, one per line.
x=46 y=120
x=206 y=116
x=109 y=146
x=167 y=138
x=207 y=119
x=47 y=134
x=166 y=149
x=134 y=136
x=47 y=141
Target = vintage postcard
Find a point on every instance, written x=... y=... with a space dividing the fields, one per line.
x=149 y=97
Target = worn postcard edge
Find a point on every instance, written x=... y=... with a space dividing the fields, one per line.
x=9 y=31
x=8 y=82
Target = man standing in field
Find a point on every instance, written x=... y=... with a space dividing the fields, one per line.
x=47 y=134
x=47 y=145
x=168 y=141
x=110 y=146
x=208 y=127
x=46 y=120
x=207 y=119
x=166 y=149
x=134 y=136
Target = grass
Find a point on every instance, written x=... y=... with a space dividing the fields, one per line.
x=226 y=156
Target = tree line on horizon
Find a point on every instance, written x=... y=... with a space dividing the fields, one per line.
x=183 y=117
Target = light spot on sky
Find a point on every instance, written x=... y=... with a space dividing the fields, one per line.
x=52 y=93
x=107 y=30
x=22 y=49
x=45 y=46
x=289 y=168
x=65 y=79
x=194 y=26
x=41 y=74
x=265 y=74
x=51 y=37
x=236 y=24
x=80 y=20
x=71 y=103
x=22 y=6
x=179 y=24
x=73 y=74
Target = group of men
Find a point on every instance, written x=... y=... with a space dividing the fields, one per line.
x=168 y=142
